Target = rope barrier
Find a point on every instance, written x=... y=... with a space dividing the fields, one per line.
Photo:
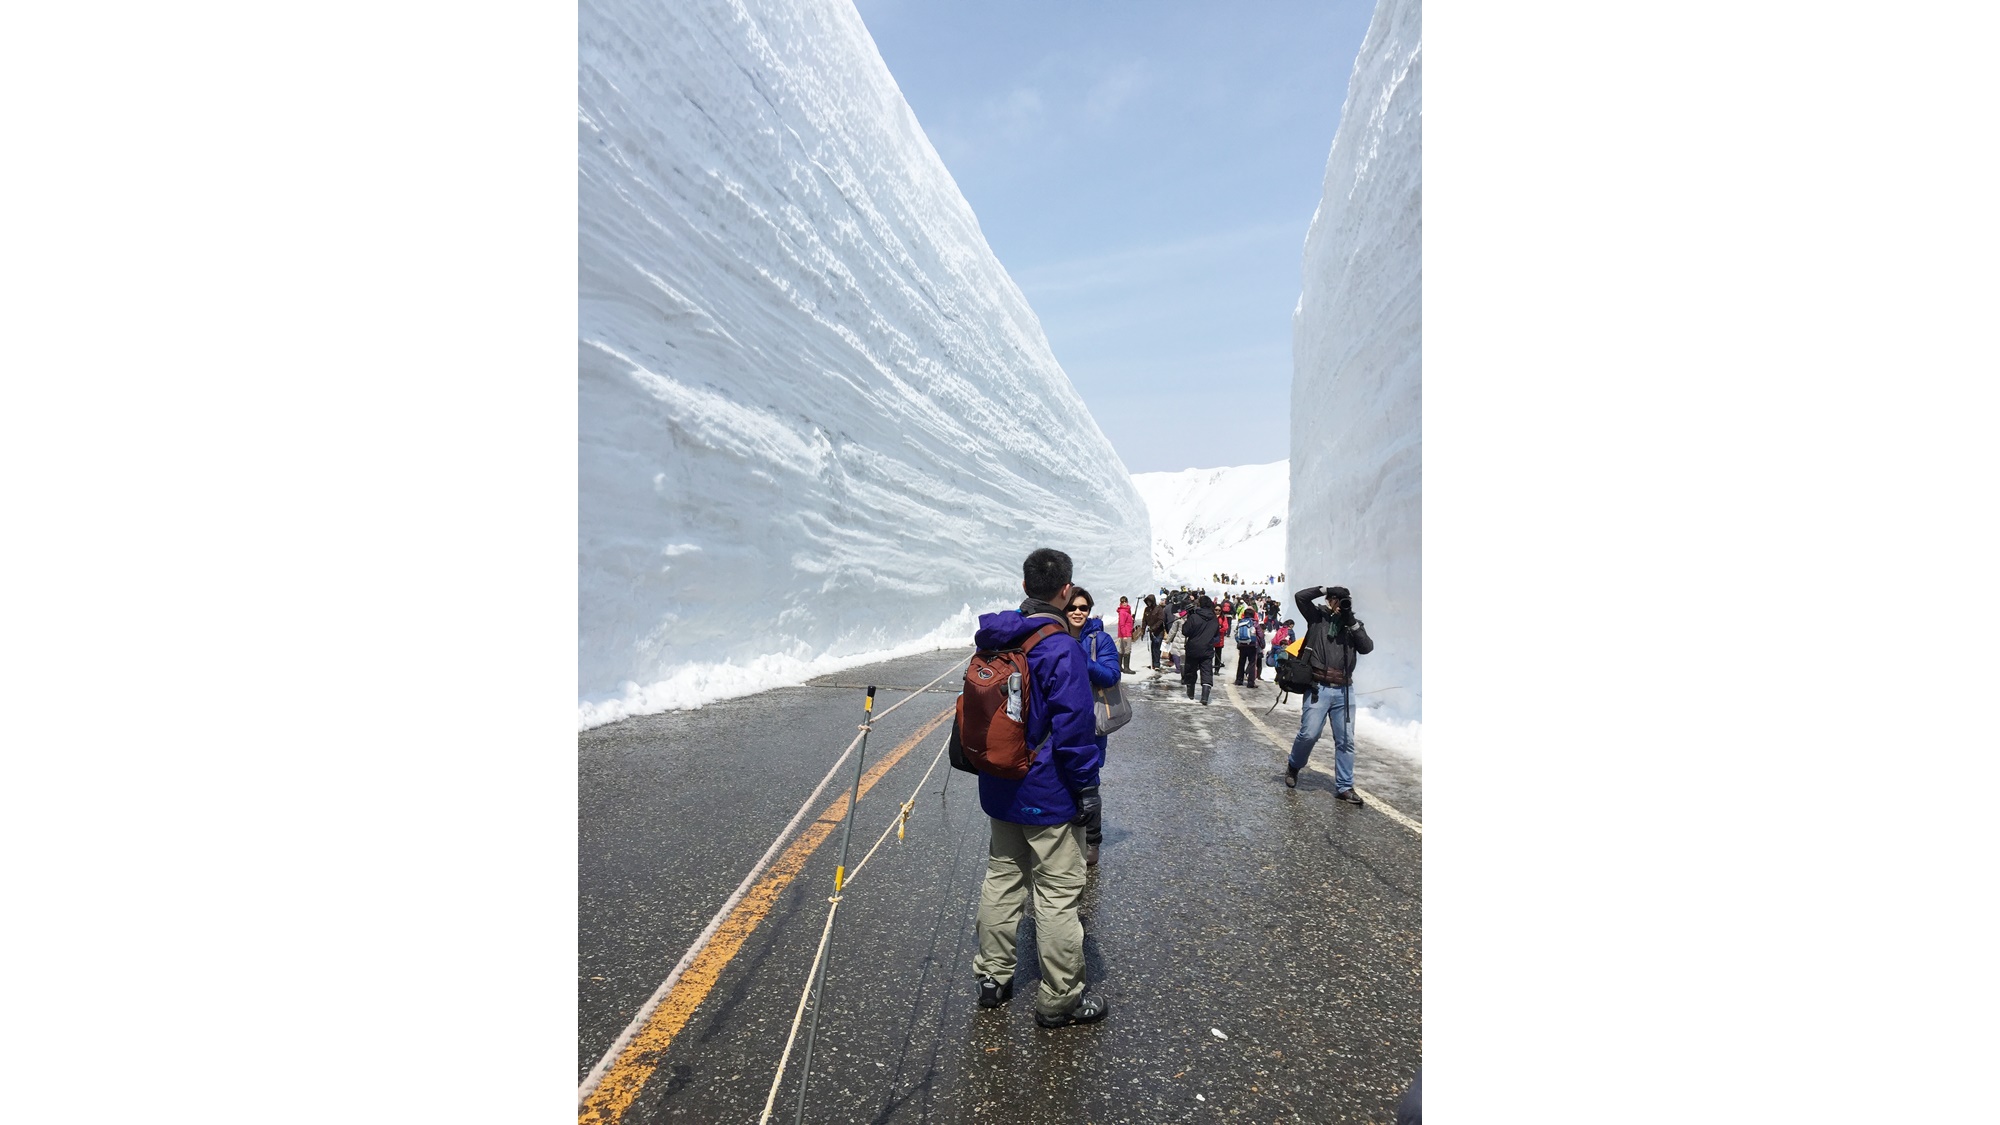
x=618 y=1045
x=812 y=974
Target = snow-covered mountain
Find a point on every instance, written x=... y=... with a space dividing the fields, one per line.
x=1207 y=521
x=818 y=422
x=1357 y=353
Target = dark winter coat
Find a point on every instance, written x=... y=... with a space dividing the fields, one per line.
x=1198 y=628
x=1155 y=620
x=1062 y=724
x=1332 y=649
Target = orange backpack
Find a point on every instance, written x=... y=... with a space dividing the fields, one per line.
x=991 y=734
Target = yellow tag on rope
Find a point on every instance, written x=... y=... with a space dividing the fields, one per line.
x=839 y=877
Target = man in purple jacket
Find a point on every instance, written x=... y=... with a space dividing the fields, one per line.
x=1034 y=821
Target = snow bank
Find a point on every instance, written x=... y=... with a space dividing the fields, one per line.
x=1405 y=737
x=1207 y=521
x=818 y=423
x=1357 y=352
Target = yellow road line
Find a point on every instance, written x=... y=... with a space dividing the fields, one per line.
x=1285 y=744
x=623 y=1081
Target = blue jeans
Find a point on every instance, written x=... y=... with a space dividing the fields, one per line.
x=1320 y=705
x=1156 y=638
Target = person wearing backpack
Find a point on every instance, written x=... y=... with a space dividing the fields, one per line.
x=1202 y=634
x=1334 y=642
x=1249 y=638
x=1101 y=663
x=1034 y=838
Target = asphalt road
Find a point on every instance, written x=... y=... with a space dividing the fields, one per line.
x=1283 y=920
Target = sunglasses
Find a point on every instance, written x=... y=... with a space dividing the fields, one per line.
x=1084 y=608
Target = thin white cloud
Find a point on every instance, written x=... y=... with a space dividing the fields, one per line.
x=1112 y=91
x=1018 y=115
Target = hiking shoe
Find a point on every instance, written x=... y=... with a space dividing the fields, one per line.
x=1090 y=857
x=992 y=993
x=1088 y=1010
x=1350 y=796
x=1291 y=778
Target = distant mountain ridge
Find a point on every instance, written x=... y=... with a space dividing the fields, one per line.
x=1229 y=520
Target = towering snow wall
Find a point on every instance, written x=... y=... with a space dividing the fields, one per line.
x=1357 y=354
x=817 y=420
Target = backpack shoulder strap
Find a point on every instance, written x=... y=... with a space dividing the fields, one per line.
x=1036 y=637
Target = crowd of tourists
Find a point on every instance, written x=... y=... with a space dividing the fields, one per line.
x=1193 y=631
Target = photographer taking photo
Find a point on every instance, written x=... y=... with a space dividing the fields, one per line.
x=1334 y=643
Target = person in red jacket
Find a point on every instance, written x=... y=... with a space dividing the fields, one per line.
x=1125 y=633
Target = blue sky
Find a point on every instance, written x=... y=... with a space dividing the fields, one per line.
x=1146 y=172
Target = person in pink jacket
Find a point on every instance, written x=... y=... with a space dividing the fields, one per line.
x=1125 y=633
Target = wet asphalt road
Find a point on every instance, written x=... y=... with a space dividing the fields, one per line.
x=1283 y=919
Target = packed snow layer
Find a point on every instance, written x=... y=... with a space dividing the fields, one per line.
x=1208 y=521
x=818 y=423
x=1357 y=353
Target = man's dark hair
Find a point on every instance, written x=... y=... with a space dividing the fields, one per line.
x=1205 y=602
x=1045 y=572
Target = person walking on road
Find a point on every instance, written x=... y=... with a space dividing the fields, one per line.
x=1202 y=635
x=1334 y=643
x=1177 y=641
x=1034 y=840
x=1249 y=637
x=1154 y=622
x=1124 y=633
x=1101 y=662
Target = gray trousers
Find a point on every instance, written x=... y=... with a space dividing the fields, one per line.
x=1049 y=859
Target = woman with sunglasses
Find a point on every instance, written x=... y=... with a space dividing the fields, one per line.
x=1102 y=662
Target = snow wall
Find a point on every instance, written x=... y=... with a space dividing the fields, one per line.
x=1357 y=355
x=818 y=423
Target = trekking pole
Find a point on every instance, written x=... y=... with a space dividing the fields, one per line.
x=839 y=878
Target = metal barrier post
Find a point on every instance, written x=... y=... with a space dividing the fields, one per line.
x=839 y=879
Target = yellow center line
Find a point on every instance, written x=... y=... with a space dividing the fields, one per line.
x=1285 y=744
x=644 y=1053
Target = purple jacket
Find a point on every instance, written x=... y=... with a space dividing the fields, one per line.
x=1104 y=668
x=1060 y=712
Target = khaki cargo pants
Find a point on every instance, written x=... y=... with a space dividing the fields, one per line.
x=1049 y=859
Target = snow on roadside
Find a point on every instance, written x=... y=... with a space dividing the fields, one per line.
x=696 y=684
x=1388 y=732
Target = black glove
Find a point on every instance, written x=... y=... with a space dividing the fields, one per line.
x=1088 y=805
x=1346 y=614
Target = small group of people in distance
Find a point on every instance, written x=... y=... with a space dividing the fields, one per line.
x=1047 y=826
x=1238 y=580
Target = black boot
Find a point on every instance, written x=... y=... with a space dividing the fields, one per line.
x=1204 y=695
x=1190 y=687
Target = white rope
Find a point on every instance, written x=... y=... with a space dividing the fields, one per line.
x=799 y=1016
x=805 y=994
x=618 y=1045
